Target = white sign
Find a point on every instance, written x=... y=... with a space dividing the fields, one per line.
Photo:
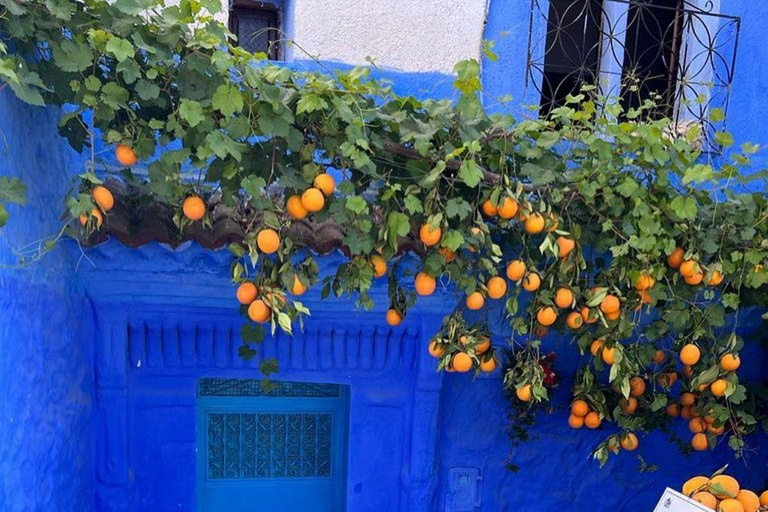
x=673 y=501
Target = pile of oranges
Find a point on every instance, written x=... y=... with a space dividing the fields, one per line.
x=467 y=351
x=724 y=494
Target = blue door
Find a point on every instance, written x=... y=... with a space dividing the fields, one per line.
x=271 y=447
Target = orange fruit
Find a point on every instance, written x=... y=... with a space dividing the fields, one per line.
x=706 y=499
x=488 y=366
x=259 y=312
x=730 y=505
x=687 y=371
x=673 y=410
x=448 y=254
x=125 y=155
x=590 y=319
x=695 y=484
x=540 y=331
x=628 y=405
x=516 y=270
x=574 y=320
x=461 y=362
x=690 y=354
x=194 y=208
x=764 y=499
x=688 y=268
x=95 y=214
x=596 y=347
x=699 y=442
x=575 y=421
x=724 y=486
x=425 y=284
x=644 y=282
x=630 y=442
x=715 y=278
x=534 y=224
x=524 y=393
x=313 y=200
x=103 y=197
x=436 y=349
x=565 y=246
x=483 y=346
x=429 y=236
x=592 y=420
x=489 y=209
x=579 y=408
x=295 y=209
x=716 y=430
x=325 y=183
x=613 y=316
x=563 y=298
x=659 y=357
x=645 y=297
x=475 y=301
x=553 y=222
x=730 y=362
x=695 y=279
x=532 y=282
x=610 y=304
x=748 y=500
x=718 y=387
x=508 y=208
x=609 y=355
x=268 y=241
x=636 y=386
x=667 y=380
x=497 y=287
x=697 y=425
x=298 y=287
x=675 y=259
x=246 y=293
x=379 y=265
x=687 y=399
x=546 y=316
x=393 y=317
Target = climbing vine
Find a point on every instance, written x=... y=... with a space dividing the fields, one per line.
x=610 y=226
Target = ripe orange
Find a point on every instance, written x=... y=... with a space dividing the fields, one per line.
x=592 y=420
x=259 y=312
x=564 y=298
x=379 y=265
x=687 y=371
x=489 y=209
x=673 y=410
x=596 y=347
x=718 y=387
x=246 y=293
x=706 y=499
x=429 y=236
x=695 y=279
x=675 y=259
x=659 y=357
x=610 y=304
x=313 y=200
x=532 y=282
x=103 y=197
x=730 y=505
x=628 y=405
x=667 y=380
x=716 y=430
x=687 y=399
x=95 y=214
x=461 y=362
x=298 y=287
x=194 y=208
x=448 y=254
x=645 y=297
x=295 y=209
x=688 y=268
x=609 y=355
x=724 y=486
x=553 y=222
x=585 y=314
x=488 y=366
x=565 y=246
x=268 y=241
x=636 y=386
x=508 y=208
x=436 y=349
x=575 y=421
x=748 y=500
x=695 y=484
x=764 y=499
x=574 y=320
x=425 y=284
x=393 y=317
x=613 y=316
x=497 y=287
x=715 y=278
x=730 y=362
x=475 y=301
x=125 y=155
x=546 y=316
x=516 y=270
x=524 y=393
x=644 y=282
x=699 y=442
x=483 y=346
x=630 y=442
x=325 y=183
x=534 y=224
x=697 y=425
x=690 y=354
x=579 y=408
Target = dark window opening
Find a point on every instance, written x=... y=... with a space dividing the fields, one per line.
x=257 y=26
x=651 y=55
x=572 y=51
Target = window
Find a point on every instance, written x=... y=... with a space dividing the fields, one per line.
x=257 y=26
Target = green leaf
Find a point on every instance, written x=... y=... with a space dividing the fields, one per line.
x=120 y=48
x=12 y=190
x=453 y=240
x=457 y=207
x=191 y=111
x=470 y=173
x=253 y=185
x=698 y=174
x=72 y=57
x=398 y=224
x=227 y=99
x=684 y=207
x=147 y=90
x=357 y=205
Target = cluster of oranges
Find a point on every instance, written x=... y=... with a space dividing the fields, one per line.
x=259 y=304
x=311 y=200
x=724 y=494
x=104 y=200
x=473 y=351
x=691 y=271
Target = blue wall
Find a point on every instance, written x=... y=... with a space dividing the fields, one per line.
x=45 y=347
